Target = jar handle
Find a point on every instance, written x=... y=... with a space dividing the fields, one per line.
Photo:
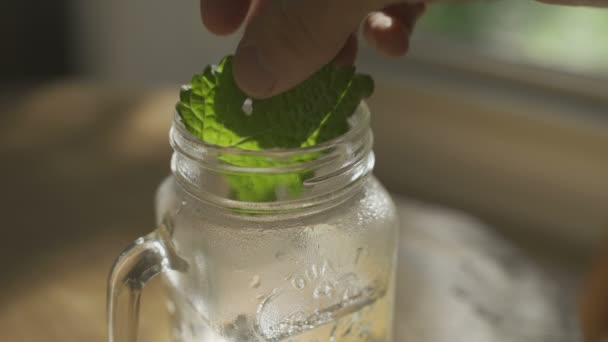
x=141 y=261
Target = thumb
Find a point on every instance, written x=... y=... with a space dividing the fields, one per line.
x=288 y=40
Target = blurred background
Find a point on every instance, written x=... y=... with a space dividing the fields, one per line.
x=500 y=112
x=141 y=41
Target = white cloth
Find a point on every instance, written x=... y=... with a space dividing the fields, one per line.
x=459 y=281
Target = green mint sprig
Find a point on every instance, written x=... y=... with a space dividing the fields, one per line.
x=215 y=110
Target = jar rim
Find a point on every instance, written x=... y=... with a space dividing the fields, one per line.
x=339 y=165
x=196 y=149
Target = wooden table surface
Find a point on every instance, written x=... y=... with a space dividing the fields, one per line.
x=80 y=164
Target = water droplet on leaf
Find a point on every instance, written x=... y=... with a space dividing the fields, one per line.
x=255 y=282
x=248 y=107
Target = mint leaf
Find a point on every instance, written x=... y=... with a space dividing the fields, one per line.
x=214 y=109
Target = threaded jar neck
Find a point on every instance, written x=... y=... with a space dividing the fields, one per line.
x=274 y=179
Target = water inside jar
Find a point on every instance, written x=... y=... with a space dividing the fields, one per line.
x=364 y=319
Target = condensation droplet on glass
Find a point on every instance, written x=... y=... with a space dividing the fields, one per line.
x=199 y=260
x=170 y=307
x=248 y=107
x=298 y=316
x=364 y=331
x=312 y=273
x=181 y=207
x=358 y=255
x=348 y=330
x=325 y=289
x=279 y=255
x=326 y=268
x=255 y=282
x=332 y=335
x=298 y=283
x=346 y=296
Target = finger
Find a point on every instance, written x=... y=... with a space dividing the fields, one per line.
x=287 y=41
x=386 y=34
x=224 y=16
x=406 y=13
x=348 y=54
x=589 y=3
x=389 y=30
x=256 y=6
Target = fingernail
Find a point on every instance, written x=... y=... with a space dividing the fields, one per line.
x=380 y=21
x=252 y=74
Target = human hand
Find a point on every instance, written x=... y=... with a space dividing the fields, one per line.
x=286 y=41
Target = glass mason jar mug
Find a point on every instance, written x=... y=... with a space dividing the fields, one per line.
x=314 y=263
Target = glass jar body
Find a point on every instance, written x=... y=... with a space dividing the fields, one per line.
x=320 y=274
